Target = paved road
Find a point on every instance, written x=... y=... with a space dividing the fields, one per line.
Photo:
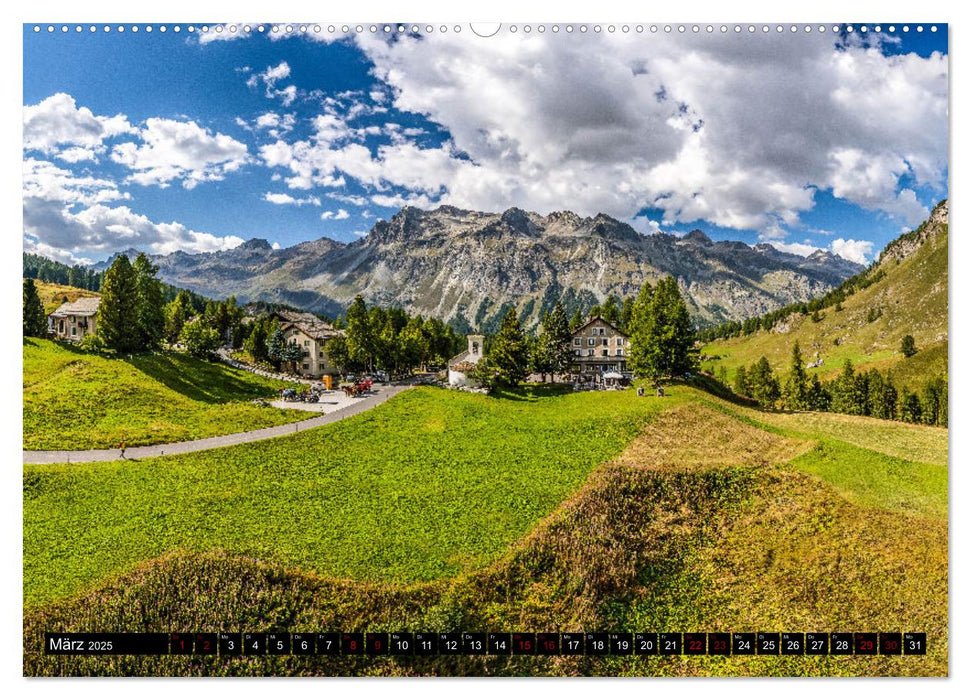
x=379 y=396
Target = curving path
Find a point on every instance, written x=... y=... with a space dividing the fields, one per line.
x=378 y=396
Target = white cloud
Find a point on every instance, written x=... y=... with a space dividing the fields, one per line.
x=270 y=77
x=104 y=229
x=276 y=125
x=52 y=253
x=78 y=154
x=336 y=216
x=46 y=182
x=176 y=150
x=857 y=251
x=704 y=127
x=645 y=225
x=803 y=249
x=57 y=122
x=284 y=198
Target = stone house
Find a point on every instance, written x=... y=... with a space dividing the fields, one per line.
x=311 y=334
x=73 y=320
x=599 y=348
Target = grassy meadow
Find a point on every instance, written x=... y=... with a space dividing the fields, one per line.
x=77 y=400
x=911 y=298
x=529 y=511
x=424 y=486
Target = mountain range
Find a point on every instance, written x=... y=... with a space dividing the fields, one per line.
x=469 y=267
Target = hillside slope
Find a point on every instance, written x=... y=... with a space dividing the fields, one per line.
x=77 y=400
x=909 y=296
x=53 y=295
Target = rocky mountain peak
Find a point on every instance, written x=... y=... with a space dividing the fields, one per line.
x=698 y=237
x=518 y=220
x=255 y=244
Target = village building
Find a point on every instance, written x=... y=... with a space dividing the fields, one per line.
x=461 y=366
x=311 y=334
x=600 y=352
x=73 y=320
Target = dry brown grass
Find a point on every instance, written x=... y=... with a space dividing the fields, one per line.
x=694 y=437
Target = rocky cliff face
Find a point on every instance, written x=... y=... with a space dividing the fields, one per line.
x=469 y=266
x=908 y=244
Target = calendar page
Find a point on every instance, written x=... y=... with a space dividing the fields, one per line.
x=520 y=349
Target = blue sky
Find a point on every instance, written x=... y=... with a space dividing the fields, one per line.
x=169 y=141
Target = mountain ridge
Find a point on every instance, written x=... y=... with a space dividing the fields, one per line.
x=467 y=267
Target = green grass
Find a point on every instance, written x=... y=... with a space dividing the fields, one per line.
x=876 y=480
x=710 y=519
x=429 y=484
x=78 y=400
x=913 y=300
x=898 y=467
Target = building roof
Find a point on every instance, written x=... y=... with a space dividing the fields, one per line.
x=84 y=306
x=595 y=319
x=464 y=357
x=308 y=323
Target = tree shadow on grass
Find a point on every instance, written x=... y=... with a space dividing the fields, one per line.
x=531 y=392
x=198 y=380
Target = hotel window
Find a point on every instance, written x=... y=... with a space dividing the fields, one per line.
x=74 y=330
x=591 y=341
x=305 y=365
x=606 y=352
x=606 y=341
x=577 y=341
x=620 y=352
x=306 y=343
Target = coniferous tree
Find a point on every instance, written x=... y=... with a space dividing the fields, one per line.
x=360 y=334
x=275 y=347
x=509 y=352
x=256 y=342
x=845 y=392
x=576 y=320
x=741 y=386
x=795 y=390
x=150 y=303
x=889 y=402
x=876 y=389
x=907 y=346
x=412 y=343
x=117 y=319
x=818 y=397
x=35 y=320
x=662 y=340
x=610 y=310
x=626 y=313
x=553 y=353
x=933 y=401
x=177 y=312
x=763 y=384
x=336 y=349
x=910 y=408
